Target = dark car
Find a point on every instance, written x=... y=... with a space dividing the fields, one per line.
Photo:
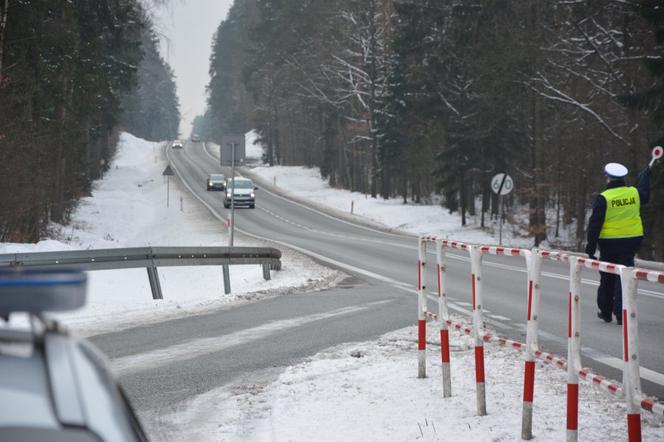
x=216 y=181
x=195 y=138
x=177 y=145
x=55 y=387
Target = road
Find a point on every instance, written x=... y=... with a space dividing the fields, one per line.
x=172 y=361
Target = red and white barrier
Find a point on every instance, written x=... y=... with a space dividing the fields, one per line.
x=478 y=327
x=573 y=348
x=534 y=266
x=631 y=389
x=477 y=330
x=444 y=313
x=421 y=309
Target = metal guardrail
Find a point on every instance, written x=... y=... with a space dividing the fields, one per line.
x=149 y=258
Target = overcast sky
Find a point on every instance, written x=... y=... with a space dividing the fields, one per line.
x=187 y=28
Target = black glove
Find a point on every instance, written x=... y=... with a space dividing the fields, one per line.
x=590 y=251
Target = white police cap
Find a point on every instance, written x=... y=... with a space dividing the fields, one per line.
x=615 y=170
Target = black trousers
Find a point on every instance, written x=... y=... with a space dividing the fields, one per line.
x=609 y=293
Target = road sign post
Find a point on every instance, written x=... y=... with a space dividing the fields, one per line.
x=168 y=173
x=231 y=151
x=230 y=238
x=501 y=184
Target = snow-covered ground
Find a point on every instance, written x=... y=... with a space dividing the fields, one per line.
x=306 y=183
x=128 y=209
x=369 y=391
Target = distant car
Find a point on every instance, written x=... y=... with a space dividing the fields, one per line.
x=195 y=138
x=54 y=386
x=216 y=181
x=243 y=193
x=177 y=145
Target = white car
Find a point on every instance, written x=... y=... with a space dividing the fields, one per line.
x=243 y=195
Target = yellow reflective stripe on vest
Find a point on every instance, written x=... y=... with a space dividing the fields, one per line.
x=623 y=214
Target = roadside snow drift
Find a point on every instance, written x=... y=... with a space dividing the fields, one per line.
x=369 y=391
x=128 y=209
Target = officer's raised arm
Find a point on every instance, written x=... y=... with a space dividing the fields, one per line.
x=643 y=185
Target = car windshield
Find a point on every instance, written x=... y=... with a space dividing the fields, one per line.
x=216 y=177
x=242 y=184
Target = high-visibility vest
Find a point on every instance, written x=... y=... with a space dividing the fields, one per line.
x=623 y=213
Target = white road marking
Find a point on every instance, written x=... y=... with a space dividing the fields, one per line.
x=198 y=347
x=499 y=317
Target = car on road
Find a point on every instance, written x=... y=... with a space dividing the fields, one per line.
x=243 y=193
x=195 y=138
x=54 y=386
x=177 y=145
x=216 y=181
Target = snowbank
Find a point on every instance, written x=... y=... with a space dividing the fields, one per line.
x=253 y=148
x=369 y=391
x=128 y=209
x=306 y=183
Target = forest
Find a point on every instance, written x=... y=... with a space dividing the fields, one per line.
x=426 y=100
x=72 y=76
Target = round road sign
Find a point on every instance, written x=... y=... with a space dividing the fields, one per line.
x=502 y=184
x=657 y=153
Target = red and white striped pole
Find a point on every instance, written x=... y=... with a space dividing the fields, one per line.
x=478 y=326
x=573 y=349
x=534 y=266
x=421 y=307
x=631 y=375
x=443 y=317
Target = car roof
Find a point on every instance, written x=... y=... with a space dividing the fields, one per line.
x=54 y=381
x=62 y=382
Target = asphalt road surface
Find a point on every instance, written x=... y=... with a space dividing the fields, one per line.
x=163 y=364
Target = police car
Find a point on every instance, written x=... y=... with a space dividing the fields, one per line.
x=55 y=387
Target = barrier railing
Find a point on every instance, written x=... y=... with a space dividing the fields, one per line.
x=631 y=390
x=477 y=331
x=149 y=258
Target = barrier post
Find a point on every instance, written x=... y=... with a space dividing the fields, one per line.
x=155 y=285
x=421 y=307
x=631 y=375
x=443 y=316
x=573 y=349
x=534 y=266
x=478 y=327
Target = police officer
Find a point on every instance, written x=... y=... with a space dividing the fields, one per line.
x=615 y=225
